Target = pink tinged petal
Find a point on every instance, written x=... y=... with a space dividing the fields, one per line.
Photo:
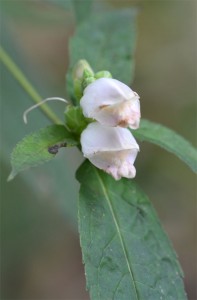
x=113 y=150
x=124 y=114
x=112 y=103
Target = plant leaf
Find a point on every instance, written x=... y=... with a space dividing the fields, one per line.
x=169 y=140
x=105 y=45
x=38 y=148
x=127 y=254
x=82 y=9
x=58 y=176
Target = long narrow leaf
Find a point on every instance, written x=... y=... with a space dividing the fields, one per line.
x=126 y=253
x=106 y=44
x=169 y=140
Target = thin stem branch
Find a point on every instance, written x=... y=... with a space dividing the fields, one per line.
x=20 y=77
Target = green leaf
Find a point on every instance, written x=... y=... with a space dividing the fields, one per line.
x=39 y=147
x=169 y=140
x=82 y=9
x=106 y=45
x=58 y=176
x=126 y=253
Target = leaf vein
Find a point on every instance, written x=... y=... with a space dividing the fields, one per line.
x=119 y=234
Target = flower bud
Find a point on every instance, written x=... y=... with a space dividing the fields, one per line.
x=102 y=74
x=112 y=149
x=111 y=103
x=78 y=70
x=81 y=71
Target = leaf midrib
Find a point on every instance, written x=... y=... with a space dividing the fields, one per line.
x=119 y=233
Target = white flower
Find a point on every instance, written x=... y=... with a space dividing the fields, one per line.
x=112 y=149
x=111 y=103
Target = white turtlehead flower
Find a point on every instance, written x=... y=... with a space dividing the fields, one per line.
x=112 y=149
x=111 y=103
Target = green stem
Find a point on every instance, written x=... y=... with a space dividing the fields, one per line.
x=20 y=77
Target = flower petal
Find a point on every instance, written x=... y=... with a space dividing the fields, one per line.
x=112 y=149
x=112 y=103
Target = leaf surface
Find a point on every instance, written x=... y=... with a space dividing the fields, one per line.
x=106 y=44
x=82 y=9
x=127 y=254
x=169 y=140
x=39 y=147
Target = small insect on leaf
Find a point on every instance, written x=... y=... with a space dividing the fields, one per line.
x=54 y=149
x=37 y=147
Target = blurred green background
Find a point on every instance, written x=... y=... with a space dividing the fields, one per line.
x=40 y=253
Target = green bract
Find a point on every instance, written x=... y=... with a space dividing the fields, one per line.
x=75 y=120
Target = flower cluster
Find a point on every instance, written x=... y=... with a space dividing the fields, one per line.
x=107 y=143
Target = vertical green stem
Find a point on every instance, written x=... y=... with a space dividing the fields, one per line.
x=20 y=77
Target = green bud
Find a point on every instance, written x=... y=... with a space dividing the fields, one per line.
x=87 y=81
x=78 y=90
x=81 y=73
x=81 y=67
x=103 y=74
x=87 y=73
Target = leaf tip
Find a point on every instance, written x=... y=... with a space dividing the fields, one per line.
x=11 y=176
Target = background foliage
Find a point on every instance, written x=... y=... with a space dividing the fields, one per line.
x=40 y=199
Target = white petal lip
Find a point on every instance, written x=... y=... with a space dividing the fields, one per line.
x=112 y=149
x=111 y=103
x=97 y=137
